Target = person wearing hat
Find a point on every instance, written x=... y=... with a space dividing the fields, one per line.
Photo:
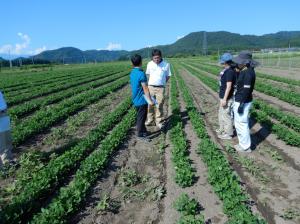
x=5 y=134
x=243 y=99
x=226 y=83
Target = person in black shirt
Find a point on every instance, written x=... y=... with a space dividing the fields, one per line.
x=226 y=83
x=243 y=99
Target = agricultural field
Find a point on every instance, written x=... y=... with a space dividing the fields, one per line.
x=78 y=160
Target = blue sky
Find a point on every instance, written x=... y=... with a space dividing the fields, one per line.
x=31 y=26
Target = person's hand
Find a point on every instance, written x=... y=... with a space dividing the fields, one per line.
x=151 y=103
x=241 y=108
x=223 y=103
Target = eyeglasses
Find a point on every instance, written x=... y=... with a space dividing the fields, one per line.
x=156 y=58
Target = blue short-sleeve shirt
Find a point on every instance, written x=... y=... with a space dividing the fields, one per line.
x=137 y=77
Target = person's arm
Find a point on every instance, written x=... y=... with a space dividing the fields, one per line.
x=229 y=74
x=227 y=92
x=246 y=92
x=147 y=92
x=143 y=81
x=169 y=74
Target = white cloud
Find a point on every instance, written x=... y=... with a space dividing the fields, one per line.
x=112 y=46
x=179 y=37
x=20 y=48
x=5 y=49
x=148 y=46
x=38 y=50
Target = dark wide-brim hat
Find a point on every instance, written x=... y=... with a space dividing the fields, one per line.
x=245 y=57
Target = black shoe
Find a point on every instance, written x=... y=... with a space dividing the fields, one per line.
x=145 y=134
x=144 y=139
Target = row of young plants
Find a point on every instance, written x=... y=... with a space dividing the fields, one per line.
x=45 y=90
x=71 y=196
x=18 y=81
x=221 y=176
x=214 y=69
x=289 y=136
x=66 y=135
x=184 y=173
x=278 y=79
x=285 y=118
x=26 y=80
x=284 y=95
x=261 y=86
x=55 y=81
x=43 y=119
x=45 y=180
x=30 y=106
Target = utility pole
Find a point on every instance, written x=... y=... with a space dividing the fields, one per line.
x=278 y=60
x=10 y=63
x=204 y=47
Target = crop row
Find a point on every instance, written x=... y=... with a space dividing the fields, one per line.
x=224 y=180
x=71 y=196
x=49 y=176
x=35 y=104
x=12 y=82
x=184 y=173
x=43 y=119
x=214 y=69
x=285 y=118
x=57 y=88
x=55 y=81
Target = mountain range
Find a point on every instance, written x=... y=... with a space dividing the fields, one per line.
x=191 y=44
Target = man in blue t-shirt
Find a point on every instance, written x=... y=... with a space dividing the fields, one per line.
x=140 y=93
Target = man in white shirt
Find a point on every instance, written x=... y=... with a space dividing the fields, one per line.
x=159 y=73
x=5 y=134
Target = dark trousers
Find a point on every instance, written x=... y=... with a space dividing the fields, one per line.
x=141 y=119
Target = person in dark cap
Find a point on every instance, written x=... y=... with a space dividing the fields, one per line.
x=226 y=82
x=243 y=99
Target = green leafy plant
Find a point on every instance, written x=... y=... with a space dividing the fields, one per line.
x=189 y=210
